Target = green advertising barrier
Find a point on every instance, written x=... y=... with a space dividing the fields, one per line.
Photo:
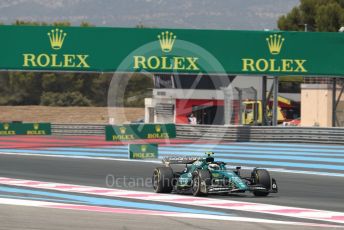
x=140 y=131
x=143 y=151
x=171 y=50
x=8 y=129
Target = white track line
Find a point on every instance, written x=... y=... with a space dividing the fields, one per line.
x=295 y=212
x=54 y=205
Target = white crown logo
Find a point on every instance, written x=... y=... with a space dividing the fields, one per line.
x=122 y=130
x=56 y=38
x=6 y=126
x=158 y=128
x=143 y=148
x=167 y=40
x=35 y=126
x=275 y=43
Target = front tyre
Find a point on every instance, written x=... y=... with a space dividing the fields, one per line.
x=200 y=180
x=162 y=180
x=261 y=177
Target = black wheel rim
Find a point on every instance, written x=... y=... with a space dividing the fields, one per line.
x=195 y=185
x=155 y=180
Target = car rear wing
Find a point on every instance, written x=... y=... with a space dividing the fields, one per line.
x=179 y=160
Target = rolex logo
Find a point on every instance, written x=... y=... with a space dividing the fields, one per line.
x=158 y=128
x=122 y=130
x=143 y=148
x=35 y=126
x=275 y=43
x=166 y=41
x=56 y=60
x=6 y=126
x=56 y=38
x=165 y=62
x=274 y=65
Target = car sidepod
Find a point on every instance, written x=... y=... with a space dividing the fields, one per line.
x=226 y=181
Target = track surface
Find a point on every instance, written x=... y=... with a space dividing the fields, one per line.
x=317 y=188
x=18 y=218
x=307 y=191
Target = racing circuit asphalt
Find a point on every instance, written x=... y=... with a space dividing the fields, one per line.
x=298 y=190
x=298 y=187
x=18 y=218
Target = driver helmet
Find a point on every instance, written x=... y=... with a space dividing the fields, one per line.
x=213 y=167
x=209 y=158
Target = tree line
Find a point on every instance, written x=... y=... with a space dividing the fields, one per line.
x=314 y=15
x=71 y=89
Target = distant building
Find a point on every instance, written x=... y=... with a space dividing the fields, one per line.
x=175 y=97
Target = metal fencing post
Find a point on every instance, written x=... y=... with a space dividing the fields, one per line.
x=264 y=82
x=334 y=100
x=255 y=106
x=275 y=105
x=227 y=105
x=240 y=104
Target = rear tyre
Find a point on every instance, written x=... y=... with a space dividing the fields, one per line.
x=199 y=179
x=261 y=177
x=162 y=180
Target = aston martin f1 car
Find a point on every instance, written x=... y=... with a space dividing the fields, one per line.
x=203 y=176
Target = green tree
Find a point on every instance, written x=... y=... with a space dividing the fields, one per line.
x=139 y=87
x=64 y=99
x=18 y=88
x=33 y=23
x=86 y=24
x=317 y=15
x=62 y=82
x=61 y=23
x=29 y=23
x=329 y=17
x=98 y=89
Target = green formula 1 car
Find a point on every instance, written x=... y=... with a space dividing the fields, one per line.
x=203 y=176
